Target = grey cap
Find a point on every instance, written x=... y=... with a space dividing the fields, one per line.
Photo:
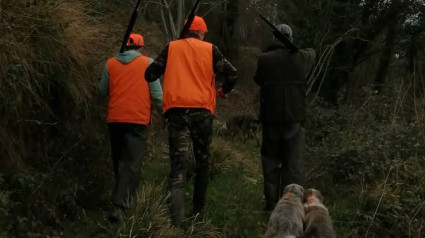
x=285 y=30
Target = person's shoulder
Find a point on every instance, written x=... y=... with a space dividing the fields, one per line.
x=144 y=57
x=173 y=42
x=215 y=48
x=111 y=59
x=264 y=57
x=307 y=51
x=268 y=53
x=206 y=43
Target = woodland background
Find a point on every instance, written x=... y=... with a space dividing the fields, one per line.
x=365 y=128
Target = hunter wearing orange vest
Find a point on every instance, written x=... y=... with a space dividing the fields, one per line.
x=129 y=113
x=189 y=66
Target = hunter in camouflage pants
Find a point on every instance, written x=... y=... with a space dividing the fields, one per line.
x=185 y=126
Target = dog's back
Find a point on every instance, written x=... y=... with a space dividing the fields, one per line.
x=318 y=222
x=286 y=220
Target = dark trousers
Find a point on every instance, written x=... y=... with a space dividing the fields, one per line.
x=128 y=143
x=282 y=152
x=187 y=126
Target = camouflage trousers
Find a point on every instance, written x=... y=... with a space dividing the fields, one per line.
x=186 y=126
x=282 y=153
x=127 y=143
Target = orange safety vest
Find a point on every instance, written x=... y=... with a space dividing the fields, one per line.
x=189 y=80
x=129 y=97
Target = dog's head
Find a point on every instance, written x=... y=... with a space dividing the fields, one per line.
x=296 y=189
x=312 y=193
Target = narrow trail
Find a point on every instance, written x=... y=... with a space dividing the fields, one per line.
x=234 y=197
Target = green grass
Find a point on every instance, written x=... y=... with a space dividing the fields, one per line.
x=234 y=197
x=235 y=205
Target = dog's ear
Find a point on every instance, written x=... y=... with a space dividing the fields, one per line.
x=299 y=191
x=288 y=188
x=316 y=193
x=319 y=196
x=308 y=193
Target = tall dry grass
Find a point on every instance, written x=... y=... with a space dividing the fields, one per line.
x=49 y=49
x=150 y=218
x=51 y=139
x=419 y=101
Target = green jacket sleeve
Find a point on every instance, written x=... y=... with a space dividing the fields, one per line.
x=104 y=83
x=155 y=90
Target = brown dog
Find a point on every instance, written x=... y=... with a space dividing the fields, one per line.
x=287 y=218
x=317 y=220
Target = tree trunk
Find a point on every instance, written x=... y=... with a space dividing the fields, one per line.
x=390 y=40
x=170 y=19
x=385 y=58
x=180 y=15
x=164 y=23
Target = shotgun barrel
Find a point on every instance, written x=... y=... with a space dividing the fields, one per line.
x=281 y=37
x=130 y=26
x=189 y=20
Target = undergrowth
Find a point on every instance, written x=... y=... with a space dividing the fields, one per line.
x=374 y=160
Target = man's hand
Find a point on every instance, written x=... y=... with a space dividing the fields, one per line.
x=221 y=94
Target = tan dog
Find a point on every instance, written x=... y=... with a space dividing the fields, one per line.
x=287 y=218
x=317 y=220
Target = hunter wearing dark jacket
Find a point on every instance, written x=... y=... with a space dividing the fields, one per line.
x=282 y=78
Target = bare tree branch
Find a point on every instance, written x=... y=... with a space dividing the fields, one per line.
x=212 y=8
x=170 y=19
x=164 y=23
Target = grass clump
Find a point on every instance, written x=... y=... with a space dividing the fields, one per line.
x=150 y=218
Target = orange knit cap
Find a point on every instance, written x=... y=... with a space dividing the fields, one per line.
x=135 y=40
x=198 y=24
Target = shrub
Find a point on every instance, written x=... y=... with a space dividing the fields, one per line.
x=373 y=158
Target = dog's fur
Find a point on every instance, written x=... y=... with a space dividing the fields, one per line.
x=317 y=220
x=287 y=218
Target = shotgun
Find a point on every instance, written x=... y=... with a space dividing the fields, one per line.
x=130 y=26
x=189 y=21
x=281 y=37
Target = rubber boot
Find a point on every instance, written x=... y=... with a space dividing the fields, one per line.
x=199 y=193
x=293 y=165
x=271 y=169
x=177 y=206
